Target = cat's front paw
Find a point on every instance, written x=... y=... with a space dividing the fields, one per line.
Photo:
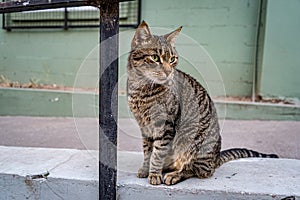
x=155 y=178
x=143 y=172
x=172 y=178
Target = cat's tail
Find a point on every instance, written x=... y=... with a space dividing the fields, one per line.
x=233 y=154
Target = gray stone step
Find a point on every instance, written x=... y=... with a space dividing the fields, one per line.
x=73 y=174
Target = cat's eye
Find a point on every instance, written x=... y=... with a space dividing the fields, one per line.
x=172 y=59
x=155 y=58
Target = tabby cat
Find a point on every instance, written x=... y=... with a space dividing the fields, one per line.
x=177 y=118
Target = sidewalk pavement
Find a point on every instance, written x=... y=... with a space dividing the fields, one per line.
x=76 y=170
x=279 y=137
x=73 y=174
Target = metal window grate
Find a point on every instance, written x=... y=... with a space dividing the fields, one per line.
x=71 y=17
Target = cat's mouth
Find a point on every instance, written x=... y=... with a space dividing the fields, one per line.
x=159 y=78
x=164 y=80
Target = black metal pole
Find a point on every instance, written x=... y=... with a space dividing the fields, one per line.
x=66 y=19
x=108 y=98
x=108 y=88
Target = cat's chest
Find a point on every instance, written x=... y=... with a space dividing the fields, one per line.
x=148 y=108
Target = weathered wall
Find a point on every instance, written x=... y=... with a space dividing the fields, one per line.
x=280 y=67
x=225 y=28
x=48 y=56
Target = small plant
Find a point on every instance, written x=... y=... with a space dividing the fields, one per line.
x=4 y=81
x=34 y=83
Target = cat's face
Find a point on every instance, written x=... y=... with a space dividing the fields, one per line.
x=153 y=57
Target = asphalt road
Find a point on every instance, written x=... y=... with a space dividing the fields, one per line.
x=280 y=137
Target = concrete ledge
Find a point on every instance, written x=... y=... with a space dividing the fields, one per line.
x=73 y=174
x=240 y=110
x=242 y=179
x=38 y=102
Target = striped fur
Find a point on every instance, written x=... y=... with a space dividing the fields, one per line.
x=236 y=153
x=177 y=118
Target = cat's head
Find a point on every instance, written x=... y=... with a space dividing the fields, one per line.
x=153 y=57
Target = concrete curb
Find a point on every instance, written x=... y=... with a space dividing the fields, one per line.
x=254 y=178
x=51 y=103
x=73 y=174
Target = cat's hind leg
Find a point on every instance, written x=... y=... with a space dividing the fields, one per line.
x=202 y=168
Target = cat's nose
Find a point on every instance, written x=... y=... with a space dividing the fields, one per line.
x=167 y=70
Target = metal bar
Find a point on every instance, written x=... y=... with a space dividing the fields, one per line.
x=108 y=98
x=66 y=19
x=256 y=51
x=139 y=13
x=34 y=27
x=3 y=21
x=27 y=5
x=59 y=26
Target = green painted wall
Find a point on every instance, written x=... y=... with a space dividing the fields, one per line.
x=225 y=28
x=47 y=56
x=281 y=54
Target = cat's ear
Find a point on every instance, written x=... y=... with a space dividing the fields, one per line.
x=172 y=36
x=142 y=34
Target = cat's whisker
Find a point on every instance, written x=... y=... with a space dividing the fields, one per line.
x=152 y=84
